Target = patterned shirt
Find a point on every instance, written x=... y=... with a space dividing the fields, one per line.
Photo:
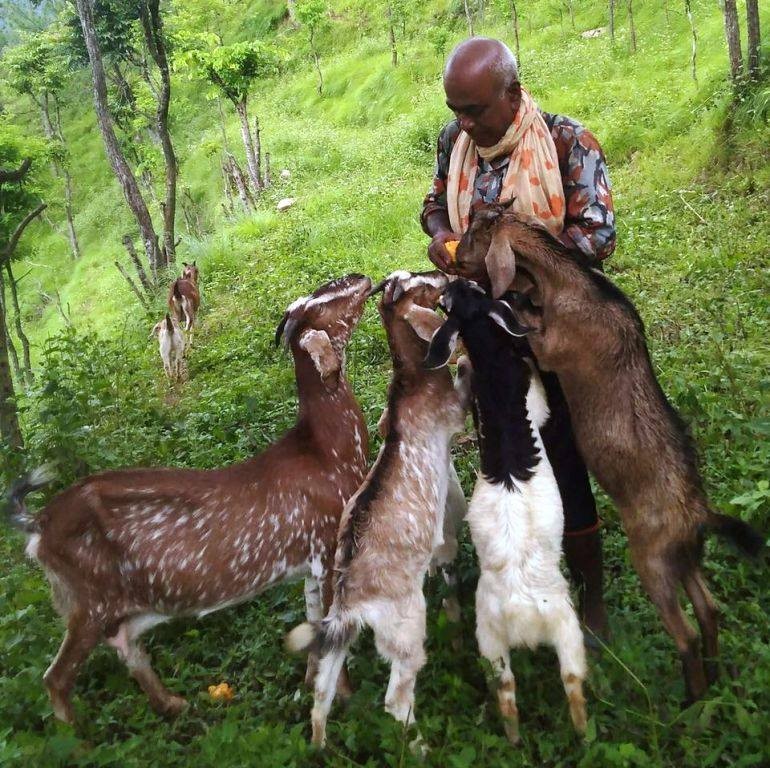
x=589 y=221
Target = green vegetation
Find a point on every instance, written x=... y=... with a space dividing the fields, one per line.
x=691 y=171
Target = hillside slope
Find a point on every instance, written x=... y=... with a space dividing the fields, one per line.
x=691 y=174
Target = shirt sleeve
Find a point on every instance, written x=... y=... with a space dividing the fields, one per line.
x=436 y=199
x=589 y=221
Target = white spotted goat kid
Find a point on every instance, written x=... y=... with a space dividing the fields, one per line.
x=171 y=344
x=393 y=524
x=515 y=514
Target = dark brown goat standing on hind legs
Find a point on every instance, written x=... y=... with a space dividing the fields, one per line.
x=184 y=298
x=634 y=443
x=126 y=550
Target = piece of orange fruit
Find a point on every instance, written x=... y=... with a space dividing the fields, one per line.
x=221 y=692
x=451 y=246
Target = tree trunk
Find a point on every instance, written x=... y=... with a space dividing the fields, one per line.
x=694 y=35
x=13 y=355
x=612 y=21
x=240 y=183
x=152 y=24
x=631 y=25
x=258 y=150
x=469 y=18
x=112 y=147
x=733 y=35
x=128 y=244
x=132 y=285
x=571 y=13
x=29 y=377
x=291 y=5
x=248 y=143
x=752 y=46
x=10 y=432
x=73 y=238
x=317 y=61
x=516 y=33
x=266 y=177
x=392 y=38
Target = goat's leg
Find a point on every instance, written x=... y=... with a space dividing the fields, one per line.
x=329 y=667
x=137 y=661
x=660 y=583
x=567 y=638
x=83 y=634
x=454 y=513
x=493 y=646
x=399 y=636
x=707 y=614
x=344 y=686
x=314 y=612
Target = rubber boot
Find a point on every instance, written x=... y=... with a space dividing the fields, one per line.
x=583 y=553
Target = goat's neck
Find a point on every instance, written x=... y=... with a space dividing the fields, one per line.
x=329 y=411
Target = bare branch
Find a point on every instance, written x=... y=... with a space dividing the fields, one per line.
x=19 y=231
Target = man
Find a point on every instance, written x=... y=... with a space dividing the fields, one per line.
x=502 y=147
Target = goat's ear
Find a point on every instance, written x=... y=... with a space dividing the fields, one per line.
x=285 y=329
x=500 y=262
x=442 y=345
x=154 y=331
x=318 y=345
x=185 y=264
x=503 y=315
x=423 y=321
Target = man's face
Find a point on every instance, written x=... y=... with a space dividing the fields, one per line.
x=483 y=106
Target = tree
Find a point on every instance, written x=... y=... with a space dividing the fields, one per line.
x=752 y=47
x=612 y=21
x=134 y=49
x=311 y=14
x=631 y=25
x=694 y=36
x=19 y=207
x=112 y=147
x=38 y=67
x=152 y=26
x=733 y=35
x=234 y=70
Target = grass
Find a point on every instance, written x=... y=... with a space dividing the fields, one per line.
x=690 y=174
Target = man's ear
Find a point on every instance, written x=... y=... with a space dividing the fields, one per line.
x=500 y=262
x=442 y=345
x=424 y=322
x=319 y=347
x=503 y=315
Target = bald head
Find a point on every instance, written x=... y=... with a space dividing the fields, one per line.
x=481 y=82
x=483 y=58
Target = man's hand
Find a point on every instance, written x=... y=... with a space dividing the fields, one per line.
x=438 y=253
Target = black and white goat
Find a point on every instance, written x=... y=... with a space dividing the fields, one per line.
x=393 y=524
x=515 y=514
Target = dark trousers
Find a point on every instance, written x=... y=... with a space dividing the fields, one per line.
x=568 y=467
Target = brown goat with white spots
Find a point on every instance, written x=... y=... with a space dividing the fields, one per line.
x=393 y=524
x=129 y=549
x=184 y=298
x=582 y=327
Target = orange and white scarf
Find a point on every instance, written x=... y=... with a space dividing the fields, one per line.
x=533 y=179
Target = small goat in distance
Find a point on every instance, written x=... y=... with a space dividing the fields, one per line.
x=171 y=343
x=583 y=328
x=515 y=514
x=129 y=549
x=184 y=298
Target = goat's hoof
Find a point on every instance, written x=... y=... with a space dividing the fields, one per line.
x=512 y=733
x=172 y=706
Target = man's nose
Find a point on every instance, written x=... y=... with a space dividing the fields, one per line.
x=466 y=124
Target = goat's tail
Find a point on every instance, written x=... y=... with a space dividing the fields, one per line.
x=16 y=510
x=749 y=541
x=332 y=634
